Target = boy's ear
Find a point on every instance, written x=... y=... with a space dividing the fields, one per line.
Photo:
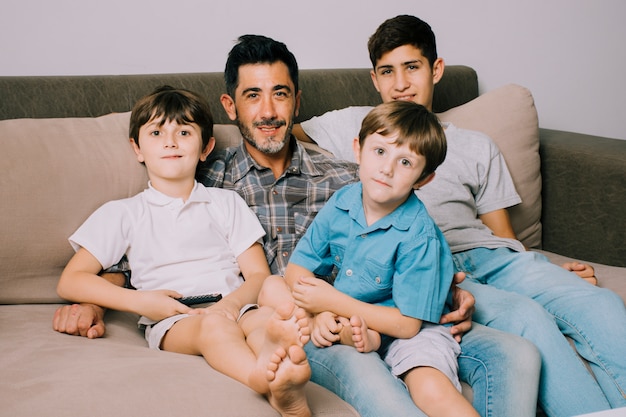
x=438 y=69
x=356 y=147
x=137 y=151
x=374 y=80
x=207 y=149
x=423 y=182
x=229 y=105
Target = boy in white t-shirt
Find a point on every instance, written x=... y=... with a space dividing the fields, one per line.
x=184 y=239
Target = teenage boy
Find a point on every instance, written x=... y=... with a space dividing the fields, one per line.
x=182 y=238
x=516 y=291
x=391 y=264
x=286 y=186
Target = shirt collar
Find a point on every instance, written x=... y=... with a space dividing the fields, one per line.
x=301 y=162
x=199 y=193
x=401 y=218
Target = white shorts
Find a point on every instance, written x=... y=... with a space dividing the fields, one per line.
x=433 y=346
x=155 y=333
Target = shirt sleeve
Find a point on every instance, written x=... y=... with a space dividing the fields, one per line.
x=335 y=130
x=422 y=279
x=497 y=189
x=242 y=225
x=105 y=234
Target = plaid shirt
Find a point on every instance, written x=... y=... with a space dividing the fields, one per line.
x=285 y=206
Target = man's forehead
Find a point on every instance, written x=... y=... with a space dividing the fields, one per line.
x=264 y=76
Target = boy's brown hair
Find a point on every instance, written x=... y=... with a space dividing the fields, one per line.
x=414 y=125
x=172 y=104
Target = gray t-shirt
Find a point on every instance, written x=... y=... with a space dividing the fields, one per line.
x=473 y=180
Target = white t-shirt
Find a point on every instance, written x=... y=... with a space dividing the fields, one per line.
x=473 y=179
x=190 y=247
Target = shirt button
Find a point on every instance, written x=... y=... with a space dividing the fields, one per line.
x=279 y=229
x=349 y=272
x=285 y=254
x=377 y=280
x=363 y=236
x=274 y=192
x=337 y=258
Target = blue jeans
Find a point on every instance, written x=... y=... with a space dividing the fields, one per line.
x=525 y=294
x=502 y=369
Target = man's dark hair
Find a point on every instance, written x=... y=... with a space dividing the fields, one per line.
x=257 y=49
x=399 y=31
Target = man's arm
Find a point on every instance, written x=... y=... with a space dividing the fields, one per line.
x=300 y=134
x=85 y=319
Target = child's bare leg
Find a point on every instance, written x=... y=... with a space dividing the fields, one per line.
x=433 y=392
x=288 y=373
x=274 y=292
x=219 y=340
x=357 y=334
x=281 y=362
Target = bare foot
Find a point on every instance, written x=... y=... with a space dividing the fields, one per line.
x=288 y=326
x=360 y=336
x=288 y=372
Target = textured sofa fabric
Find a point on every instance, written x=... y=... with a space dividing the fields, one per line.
x=66 y=151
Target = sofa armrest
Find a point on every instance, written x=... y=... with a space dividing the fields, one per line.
x=584 y=198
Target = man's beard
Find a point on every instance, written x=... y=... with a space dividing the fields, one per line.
x=272 y=145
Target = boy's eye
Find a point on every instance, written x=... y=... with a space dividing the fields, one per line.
x=405 y=162
x=155 y=133
x=379 y=151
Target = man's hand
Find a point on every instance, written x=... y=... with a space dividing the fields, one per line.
x=85 y=320
x=584 y=271
x=464 y=308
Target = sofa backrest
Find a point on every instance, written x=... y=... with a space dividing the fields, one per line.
x=97 y=95
x=74 y=155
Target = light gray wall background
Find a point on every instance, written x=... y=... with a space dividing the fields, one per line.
x=569 y=53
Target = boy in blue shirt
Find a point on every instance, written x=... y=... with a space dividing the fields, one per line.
x=393 y=266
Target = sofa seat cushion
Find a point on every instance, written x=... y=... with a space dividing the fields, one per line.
x=118 y=375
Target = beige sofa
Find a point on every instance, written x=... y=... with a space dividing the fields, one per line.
x=66 y=151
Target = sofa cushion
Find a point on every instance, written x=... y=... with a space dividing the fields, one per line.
x=508 y=115
x=55 y=172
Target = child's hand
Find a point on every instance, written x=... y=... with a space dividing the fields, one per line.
x=325 y=329
x=158 y=304
x=225 y=307
x=313 y=294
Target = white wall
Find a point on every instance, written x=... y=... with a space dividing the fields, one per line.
x=570 y=53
